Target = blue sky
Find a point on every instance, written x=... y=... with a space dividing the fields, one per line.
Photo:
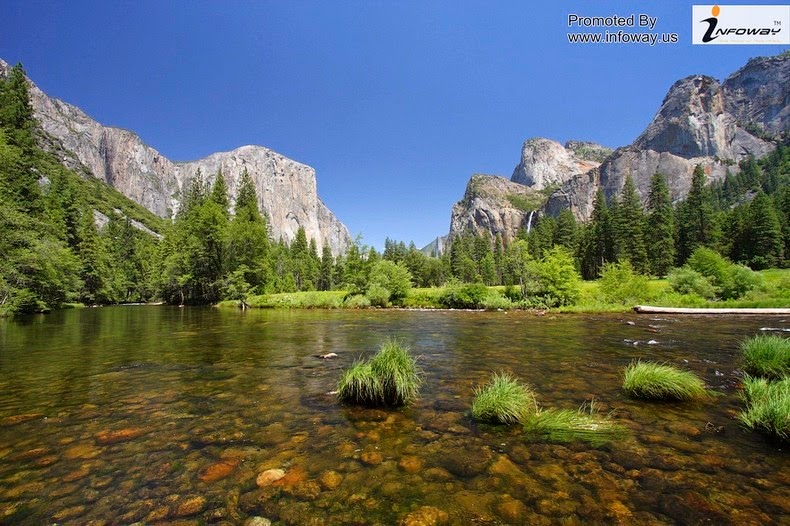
x=394 y=103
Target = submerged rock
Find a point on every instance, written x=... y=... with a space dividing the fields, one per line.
x=107 y=437
x=191 y=506
x=269 y=476
x=425 y=516
x=330 y=479
x=219 y=470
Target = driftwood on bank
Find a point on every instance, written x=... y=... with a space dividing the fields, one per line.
x=648 y=309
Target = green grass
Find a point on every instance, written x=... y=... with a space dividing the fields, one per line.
x=390 y=378
x=767 y=355
x=566 y=425
x=330 y=299
x=359 y=385
x=655 y=381
x=767 y=407
x=504 y=401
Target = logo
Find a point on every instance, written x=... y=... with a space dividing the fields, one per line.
x=741 y=24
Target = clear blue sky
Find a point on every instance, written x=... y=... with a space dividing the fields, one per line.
x=394 y=103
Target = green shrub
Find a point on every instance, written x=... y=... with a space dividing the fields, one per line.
x=394 y=278
x=739 y=281
x=710 y=264
x=661 y=382
x=686 y=280
x=378 y=295
x=767 y=355
x=730 y=281
x=620 y=284
x=565 y=425
x=464 y=296
x=496 y=301
x=390 y=378
x=767 y=406
x=503 y=401
x=356 y=301
x=558 y=279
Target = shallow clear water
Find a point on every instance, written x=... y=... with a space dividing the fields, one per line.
x=149 y=414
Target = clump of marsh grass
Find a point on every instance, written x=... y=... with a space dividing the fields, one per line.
x=390 y=378
x=662 y=382
x=767 y=406
x=767 y=355
x=503 y=400
x=566 y=425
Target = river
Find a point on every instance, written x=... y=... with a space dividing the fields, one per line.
x=149 y=414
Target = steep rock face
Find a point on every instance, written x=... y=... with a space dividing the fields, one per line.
x=700 y=122
x=286 y=189
x=545 y=163
x=495 y=205
x=692 y=122
x=759 y=94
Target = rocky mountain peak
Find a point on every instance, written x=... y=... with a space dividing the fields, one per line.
x=287 y=190
x=546 y=163
x=495 y=205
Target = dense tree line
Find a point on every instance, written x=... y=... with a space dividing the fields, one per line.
x=53 y=252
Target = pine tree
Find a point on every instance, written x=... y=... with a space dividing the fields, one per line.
x=566 y=230
x=696 y=219
x=94 y=258
x=327 y=268
x=16 y=112
x=631 y=227
x=219 y=193
x=765 y=239
x=660 y=233
x=248 y=244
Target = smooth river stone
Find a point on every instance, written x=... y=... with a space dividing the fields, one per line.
x=219 y=470
x=269 y=476
x=105 y=438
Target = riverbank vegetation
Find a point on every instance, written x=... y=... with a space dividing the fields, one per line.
x=66 y=237
x=655 y=381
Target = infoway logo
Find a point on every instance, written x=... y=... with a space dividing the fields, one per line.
x=741 y=24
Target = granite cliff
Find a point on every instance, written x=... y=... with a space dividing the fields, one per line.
x=286 y=189
x=701 y=121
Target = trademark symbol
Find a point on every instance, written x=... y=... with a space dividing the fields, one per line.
x=777 y=22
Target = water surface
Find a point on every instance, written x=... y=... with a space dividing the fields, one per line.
x=158 y=414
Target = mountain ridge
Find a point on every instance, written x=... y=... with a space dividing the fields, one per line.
x=287 y=189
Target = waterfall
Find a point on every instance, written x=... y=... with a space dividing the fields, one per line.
x=529 y=221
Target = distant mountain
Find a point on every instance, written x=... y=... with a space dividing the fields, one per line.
x=286 y=189
x=701 y=121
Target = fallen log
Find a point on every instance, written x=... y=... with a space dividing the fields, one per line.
x=648 y=309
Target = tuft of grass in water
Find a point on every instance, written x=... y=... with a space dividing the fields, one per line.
x=503 y=400
x=661 y=382
x=767 y=406
x=767 y=355
x=359 y=385
x=566 y=425
x=398 y=372
x=390 y=378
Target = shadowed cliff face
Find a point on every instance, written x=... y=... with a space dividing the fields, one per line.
x=286 y=189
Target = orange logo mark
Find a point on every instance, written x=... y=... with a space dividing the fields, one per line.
x=715 y=11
